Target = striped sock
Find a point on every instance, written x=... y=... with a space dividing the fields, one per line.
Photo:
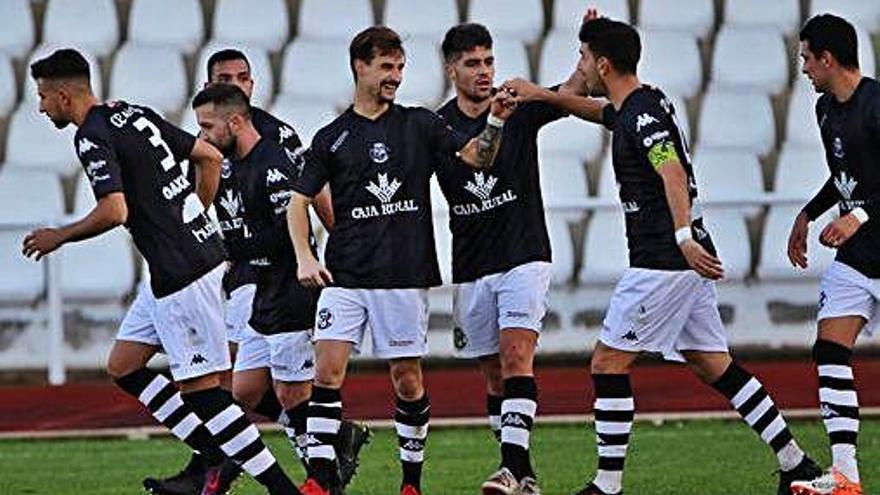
x=411 y=422
x=839 y=405
x=493 y=411
x=269 y=406
x=757 y=409
x=295 y=428
x=614 y=410
x=239 y=438
x=322 y=425
x=517 y=417
x=165 y=403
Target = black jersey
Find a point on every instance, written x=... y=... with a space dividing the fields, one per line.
x=229 y=205
x=497 y=216
x=130 y=149
x=851 y=136
x=379 y=172
x=646 y=134
x=265 y=180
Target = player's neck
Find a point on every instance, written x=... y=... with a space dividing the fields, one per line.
x=619 y=88
x=81 y=109
x=471 y=108
x=845 y=84
x=245 y=141
x=369 y=106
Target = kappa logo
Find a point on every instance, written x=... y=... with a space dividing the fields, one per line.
x=481 y=186
x=384 y=190
x=307 y=365
x=284 y=133
x=379 y=152
x=837 y=148
x=514 y=420
x=630 y=336
x=413 y=445
x=845 y=185
x=274 y=175
x=827 y=411
x=231 y=202
x=325 y=319
x=296 y=158
x=197 y=359
x=645 y=120
x=84 y=146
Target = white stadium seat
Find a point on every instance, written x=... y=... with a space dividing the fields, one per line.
x=681 y=115
x=605 y=253
x=84 y=273
x=44 y=50
x=34 y=142
x=16 y=27
x=175 y=23
x=511 y=59
x=725 y=174
x=429 y=18
x=782 y=16
x=563 y=179
x=36 y=195
x=561 y=246
x=801 y=125
x=801 y=171
x=571 y=136
x=21 y=280
x=443 y=242
x=737 y=119
x=522 y=20
x=559 y=58
x=774 y=264
x=88 y=24
x=317 y=71
x=423 y=76
x=83 y=197
x=305 y=117
x=671 y=60
x=261 y=70
x=733 y=68
x=334 y=19
x=189 y=122
x=261 y=23
x=607 y=184
x=568 y=14
x=731 y=238
x=8 y=86
x=149 y=75
x=865 y=13
x=693 y=16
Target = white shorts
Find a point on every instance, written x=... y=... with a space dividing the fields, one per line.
x=516 y=298
x=239 y=307
x=664 y=312
x=844 y=291
x=187 y=325
x=289 y=356
x=397 y=319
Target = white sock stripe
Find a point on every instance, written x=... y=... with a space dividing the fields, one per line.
x=773 y=429
x=409 y=431
x=240 y=441
x=841 y=424
x=155 y=386
x=839 y=397
x=337 y=404
x=219 y=422
x=412 y=455
x=521 y=406
x=608 y=481
x=168 y=408
x=516 y=436
x=613 y=427
x=289 y=432
x=844 y=458
x=836 y=371
x=321 y=452
x=746 y=392
x=759 y=411
x=604 y=404
x=259 y=463
x=186 y=426
x=612 y=450
x=323 y=425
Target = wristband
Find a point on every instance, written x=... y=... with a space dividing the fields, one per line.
x=495 y=121
x=860 y=214
x=682 y=235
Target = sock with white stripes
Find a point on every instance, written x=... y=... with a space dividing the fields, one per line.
x=160 y=396
x=324 y=418
x=239 y=438
x=411 y=422
x=839 y=405
x=517 y=416
x=493 y=411
x=614 y=410
x=295 y=428
x=754 y=405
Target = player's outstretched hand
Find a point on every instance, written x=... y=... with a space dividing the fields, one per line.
x=523 y=90
x=503 y=104
x=313 y=275
x=701 y=261
x=797 y=241
x=41 y=242
x=836 y=233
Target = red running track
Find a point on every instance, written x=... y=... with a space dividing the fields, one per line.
x=454 y=393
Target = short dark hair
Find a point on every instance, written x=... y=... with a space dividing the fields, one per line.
x=224 y=95
x=373 y=41
x=617 y=41
x=65 y=63
x=226 y=55
x=832 y=34
x=463 y=38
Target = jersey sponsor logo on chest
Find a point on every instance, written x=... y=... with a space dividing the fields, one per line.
x=482 y=187
x=384 y=189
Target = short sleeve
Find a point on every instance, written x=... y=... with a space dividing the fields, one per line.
x=99 y=160
x=654 y=133
x=180 y=142
x=315 y=169
x=609 y=116
x=441 y=136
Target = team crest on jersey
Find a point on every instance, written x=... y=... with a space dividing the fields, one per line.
x=837 y=148
x=379 y=152
x=85 y=145
x=95 y=171
x=644 y=120
x=459 y=338
x=325 y=319
x=226 y=169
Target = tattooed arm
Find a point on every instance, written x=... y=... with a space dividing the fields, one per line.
x=480 y=151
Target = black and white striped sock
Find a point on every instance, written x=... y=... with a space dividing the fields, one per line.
x=322 y=425
x=161 y=397
x=295 y=428
x=411 y=422
x=614 y=410
x=517 y=417
x=756 y=407
x=493 y=411
x=839 y=403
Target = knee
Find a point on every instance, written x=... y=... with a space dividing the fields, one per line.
x=605 y=364
x=117 y=368
x=329 y=375
x=407 y=380
x=516 y=359
x=291 y=394
x=247 y=397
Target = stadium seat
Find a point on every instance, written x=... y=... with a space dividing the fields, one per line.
x=261 y=70
x=737 y=119
x=671 y=60
x=261 y=23
x=189 y=122
x=729 y=175
x=34 y=142
x=17 y=35
x=428 y=18
x=682 y=116
x=175 y=23
x=522 y=20
x=423 y=76
x=559 y=58
x=562 y=245
x=334 y=19
x=734 y=69
x=605 y=252
x=91 y=25
x=774 y=263
x=511 y=59
x=21 y=280
x=801 y=171
x=83 y=273
x=443 y=242
x=607 y=185
x=8 y=86
x=865 y=13
x=37 y=197
x=317 y=71
x=149 y=75
x=781 y=16
x=568 y=14
x=573 y=137
x=801 y=125
x=44 y=50
x=305 y=117
x=693 y=16
x=730 y=235
x=563 y=179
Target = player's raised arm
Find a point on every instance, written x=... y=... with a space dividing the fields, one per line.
x=208 y=161
x=571 y=97
x=480 y=151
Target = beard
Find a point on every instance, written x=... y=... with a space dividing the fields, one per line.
x=382 y=91
x=59 y=122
